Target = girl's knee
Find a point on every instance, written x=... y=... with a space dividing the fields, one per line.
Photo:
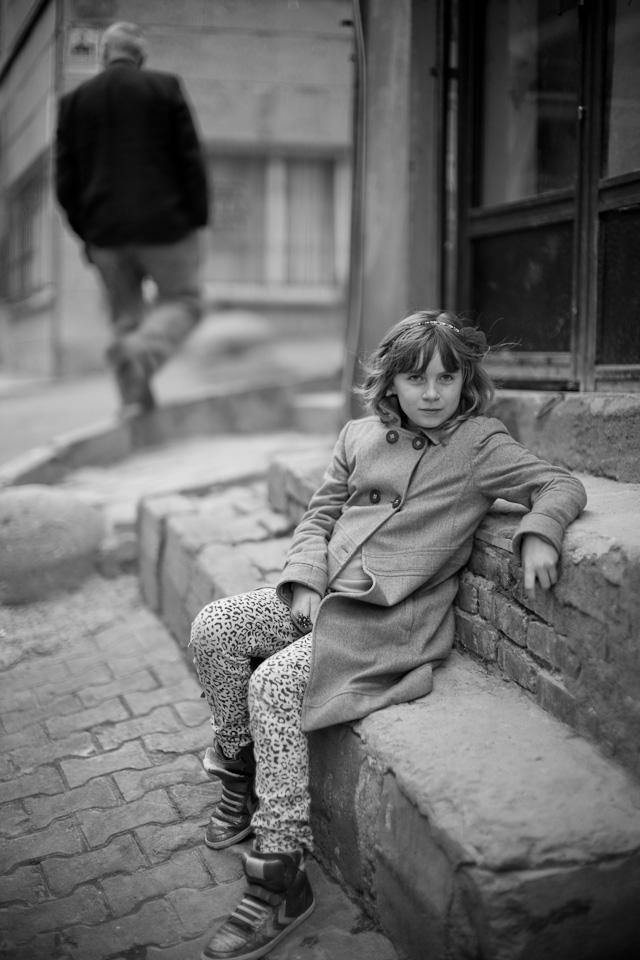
x=205 y=627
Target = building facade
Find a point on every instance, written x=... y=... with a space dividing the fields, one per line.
x=498 y=173
x=270 y=82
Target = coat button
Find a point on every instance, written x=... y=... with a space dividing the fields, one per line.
x=418 y=443
x=396 y=503
x=374 y=496
x=392 y=436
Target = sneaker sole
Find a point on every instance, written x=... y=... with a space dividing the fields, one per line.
x=267 y=947
x=236 y=838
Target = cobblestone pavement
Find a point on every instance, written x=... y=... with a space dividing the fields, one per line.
x=104 y=801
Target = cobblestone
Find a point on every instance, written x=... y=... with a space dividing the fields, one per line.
x=102 y=810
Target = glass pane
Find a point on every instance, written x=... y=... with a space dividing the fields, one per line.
x=237 y=246
x=310 y=256
x=622 y=90
x=522 y=288
x=619 y=294
x=529 y=99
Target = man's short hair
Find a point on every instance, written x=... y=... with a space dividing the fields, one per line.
x=123 y=40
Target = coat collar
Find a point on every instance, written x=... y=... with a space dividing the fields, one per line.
x=393 y=418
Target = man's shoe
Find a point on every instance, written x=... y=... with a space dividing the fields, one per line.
x=132 y=378
x=278 y=898
x=231 y=817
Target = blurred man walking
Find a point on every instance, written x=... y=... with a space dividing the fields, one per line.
x=131 y=178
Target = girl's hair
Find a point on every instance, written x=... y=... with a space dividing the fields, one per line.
x=409 y=347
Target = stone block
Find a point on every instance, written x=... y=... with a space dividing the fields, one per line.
x=510 y=618
x=473 y=821
x=50 y=541
x=477 y=635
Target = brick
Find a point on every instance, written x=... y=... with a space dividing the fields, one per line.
x=85 y=906
x=154 y=923
x=189 y=740
x=182 y=870
x=13 y=819
x=29 y=758
x=486 y=594
x=108 y=712
x=196 y=801
x=467 y=596
x=553 y=697
x=18 y=700
x=48 y=692
x=29 y=734
x=65 y=706
x=47 y=780
x=100 y=825
x=28 y=677
x=510 y=619
x=193 y=713
x=169 y=674
x=161 y=844
x=493 y=565
x=134 y=784
x=116 y=637
x=570 y=664
x=120 y=856
x=543 y=642
x=124 y=666
x=25 y=884
x=92 y=696
x=476 y=635
x=61 y=838
x=7 y=769
x=79 y=771
x=142 y=702
x=162 y=720
x=516 y=665
x=98 y=793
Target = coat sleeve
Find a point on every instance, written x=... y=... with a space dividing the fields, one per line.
x=504 y=468
x=306 y=561
x=190 y=160
x=67 y=187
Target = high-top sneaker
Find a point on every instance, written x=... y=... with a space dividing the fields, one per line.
x=278 y=898
x=230 y=820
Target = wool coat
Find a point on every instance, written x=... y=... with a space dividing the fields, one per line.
x=129 y=164
x=410 y=505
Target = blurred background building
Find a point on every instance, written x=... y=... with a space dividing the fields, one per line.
x=482 y=155
x=270 y=82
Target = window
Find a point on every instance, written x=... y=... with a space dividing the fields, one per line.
x=550 y=192
x=275 y=221
x=25 y=268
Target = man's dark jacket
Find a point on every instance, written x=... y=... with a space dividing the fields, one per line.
x=129 y=166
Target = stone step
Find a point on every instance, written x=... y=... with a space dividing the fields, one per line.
x=471 y=820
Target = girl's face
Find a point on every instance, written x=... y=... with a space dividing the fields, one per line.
x=430 y=397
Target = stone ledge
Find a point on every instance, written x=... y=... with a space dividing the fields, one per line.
x=471 y=820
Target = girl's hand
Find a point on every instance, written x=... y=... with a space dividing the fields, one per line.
x=304 y=607
x=539 y=562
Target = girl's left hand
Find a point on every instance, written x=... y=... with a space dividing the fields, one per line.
x=539 y=562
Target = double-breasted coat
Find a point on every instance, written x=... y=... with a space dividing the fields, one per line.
x=409 y=504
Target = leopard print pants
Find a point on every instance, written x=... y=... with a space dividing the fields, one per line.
x=264 y=706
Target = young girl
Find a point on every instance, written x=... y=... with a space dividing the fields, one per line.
x=362 y=613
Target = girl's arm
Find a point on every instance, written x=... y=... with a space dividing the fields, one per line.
x=504 y=468
x=306 y=561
